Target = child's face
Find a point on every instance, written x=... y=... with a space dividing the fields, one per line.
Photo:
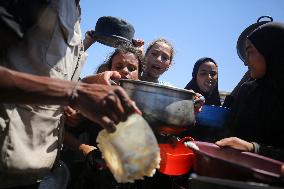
x=127 y=65
x=158 y=59
x=255 y=61
x=207 y=76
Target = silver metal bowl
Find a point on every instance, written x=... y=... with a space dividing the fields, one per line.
x=162 y=105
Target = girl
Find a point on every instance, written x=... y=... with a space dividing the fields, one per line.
x=158 y=56
x=205 y=80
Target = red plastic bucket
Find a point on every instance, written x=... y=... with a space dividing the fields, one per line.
x=176 y=160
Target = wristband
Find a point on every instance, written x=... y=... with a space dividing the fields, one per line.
x=255 y=147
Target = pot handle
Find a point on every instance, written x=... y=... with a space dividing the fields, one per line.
x=268 y=17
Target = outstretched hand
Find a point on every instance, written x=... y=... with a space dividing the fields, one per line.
x=236 y=143
x=139 y=43
x=90 y=38
x=103 y=78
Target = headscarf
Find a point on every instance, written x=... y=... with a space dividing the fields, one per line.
x=212 y=97
x=259 y=108
x=268 y=39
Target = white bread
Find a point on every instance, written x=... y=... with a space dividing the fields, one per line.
x=132 y=151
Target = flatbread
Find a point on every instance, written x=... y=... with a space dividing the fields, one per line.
x=132 y=151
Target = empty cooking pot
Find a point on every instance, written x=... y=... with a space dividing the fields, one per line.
x=162 y=106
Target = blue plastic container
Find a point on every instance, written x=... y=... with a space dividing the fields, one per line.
x=212 y=116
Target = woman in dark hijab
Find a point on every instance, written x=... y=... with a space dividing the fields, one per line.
x=205 y=80
x=259 y=108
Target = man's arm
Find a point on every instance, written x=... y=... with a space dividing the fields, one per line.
x=22 y=88
x=105 y=105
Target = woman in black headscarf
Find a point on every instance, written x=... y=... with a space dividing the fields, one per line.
x=258 y=110
x=205 y=80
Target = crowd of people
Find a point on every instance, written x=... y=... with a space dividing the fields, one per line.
x=50 y=117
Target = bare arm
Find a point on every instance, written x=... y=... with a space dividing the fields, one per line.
x=22 y=88
x=236 y=143
x=105 y=105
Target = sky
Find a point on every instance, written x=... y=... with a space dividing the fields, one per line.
x=196 y=28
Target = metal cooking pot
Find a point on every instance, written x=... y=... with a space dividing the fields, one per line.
x=162 y=106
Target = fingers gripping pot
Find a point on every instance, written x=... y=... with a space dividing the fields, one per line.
x=132 y=151
x=162 y=105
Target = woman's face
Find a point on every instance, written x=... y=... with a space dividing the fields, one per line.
x=255 y=61
x=207 y=76
x=158 y=59
x=127 y=65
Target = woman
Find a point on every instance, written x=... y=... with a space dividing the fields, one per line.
x=159 y=56
x=205 y=80
x=258 y=110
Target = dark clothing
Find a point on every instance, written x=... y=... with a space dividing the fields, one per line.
x=256 y=115
x=91 y=172
x=203 y=132
x=34 y=186
x=16 y=17
x=229 y=100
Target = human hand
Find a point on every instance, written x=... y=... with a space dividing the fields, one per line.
x=139 y=43
x=103 y=78
x=90 y=38
x=103 y=104
x=73 y=117
x=85 y=149
x=236 y=143
x=199 y=100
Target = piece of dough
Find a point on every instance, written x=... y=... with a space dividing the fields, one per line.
x=132 y=151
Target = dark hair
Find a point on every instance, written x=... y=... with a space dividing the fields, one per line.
x=107 y=64
x=163 y=41
x=211 y=98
